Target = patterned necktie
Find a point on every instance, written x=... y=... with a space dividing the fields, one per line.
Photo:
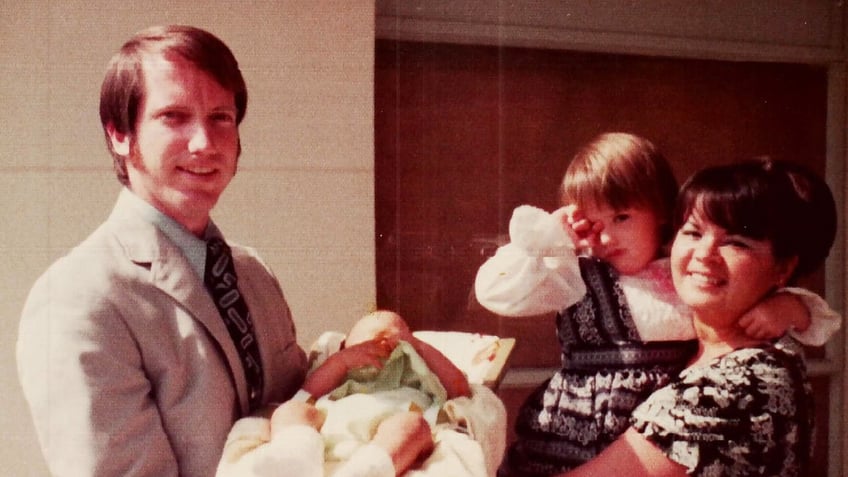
x=221 y=281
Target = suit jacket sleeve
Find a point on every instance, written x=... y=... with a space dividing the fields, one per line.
x=82 y=374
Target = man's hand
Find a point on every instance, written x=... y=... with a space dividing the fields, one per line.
x=292 y=413
x=406 y=437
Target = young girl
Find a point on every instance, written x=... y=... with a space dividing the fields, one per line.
x=623 y=331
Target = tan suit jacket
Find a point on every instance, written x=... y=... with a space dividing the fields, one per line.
x=126 y=364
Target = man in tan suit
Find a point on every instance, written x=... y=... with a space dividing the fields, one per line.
x=129 y=365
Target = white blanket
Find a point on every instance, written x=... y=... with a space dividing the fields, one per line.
x=469 y=443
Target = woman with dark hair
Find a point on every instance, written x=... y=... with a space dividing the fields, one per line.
x=743 y=406
x=600 y=262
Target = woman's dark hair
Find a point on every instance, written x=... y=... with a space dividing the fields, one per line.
x=122 y=90
x=764 y=199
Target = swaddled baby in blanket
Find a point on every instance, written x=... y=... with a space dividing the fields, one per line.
x=467 y=422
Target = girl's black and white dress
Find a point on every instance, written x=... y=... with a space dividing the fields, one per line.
x=607 y=370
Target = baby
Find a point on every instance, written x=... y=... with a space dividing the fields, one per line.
x=410 y=382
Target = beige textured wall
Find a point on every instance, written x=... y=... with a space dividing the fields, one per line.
x=304 y=192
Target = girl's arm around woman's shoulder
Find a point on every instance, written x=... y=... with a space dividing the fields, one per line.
x=824 y=321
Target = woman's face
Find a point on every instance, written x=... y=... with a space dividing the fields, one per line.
x=721 y=275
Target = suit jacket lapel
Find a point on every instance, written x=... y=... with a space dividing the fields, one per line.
x=171 y=272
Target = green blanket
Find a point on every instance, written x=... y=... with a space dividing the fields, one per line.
x=404 y=367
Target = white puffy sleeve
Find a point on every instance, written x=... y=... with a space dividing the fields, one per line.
x=536 y=273
x=824 y=321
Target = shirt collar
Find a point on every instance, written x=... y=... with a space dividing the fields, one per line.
x=192 y=247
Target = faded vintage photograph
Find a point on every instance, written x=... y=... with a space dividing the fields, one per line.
x=423 y=238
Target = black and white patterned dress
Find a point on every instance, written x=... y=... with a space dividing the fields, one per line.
x=748 y=412
x=606 y=372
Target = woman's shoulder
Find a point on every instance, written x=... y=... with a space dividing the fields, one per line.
x=751 y=370
x=785 y=352
x=749 y=380
x=696 y=420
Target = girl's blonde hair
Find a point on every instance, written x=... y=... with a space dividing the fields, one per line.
x=622 y=170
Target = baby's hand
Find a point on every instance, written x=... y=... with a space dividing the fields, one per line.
x=367 y=353
x=334 y=370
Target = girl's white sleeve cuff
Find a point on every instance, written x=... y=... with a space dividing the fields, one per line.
x=824 y=321
x=536 y=273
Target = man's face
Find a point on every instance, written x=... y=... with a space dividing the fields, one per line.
x=186 y=145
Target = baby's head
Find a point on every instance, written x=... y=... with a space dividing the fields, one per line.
x=381 y=324
x=620 y=171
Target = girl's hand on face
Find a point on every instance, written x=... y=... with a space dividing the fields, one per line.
x=583 y=232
